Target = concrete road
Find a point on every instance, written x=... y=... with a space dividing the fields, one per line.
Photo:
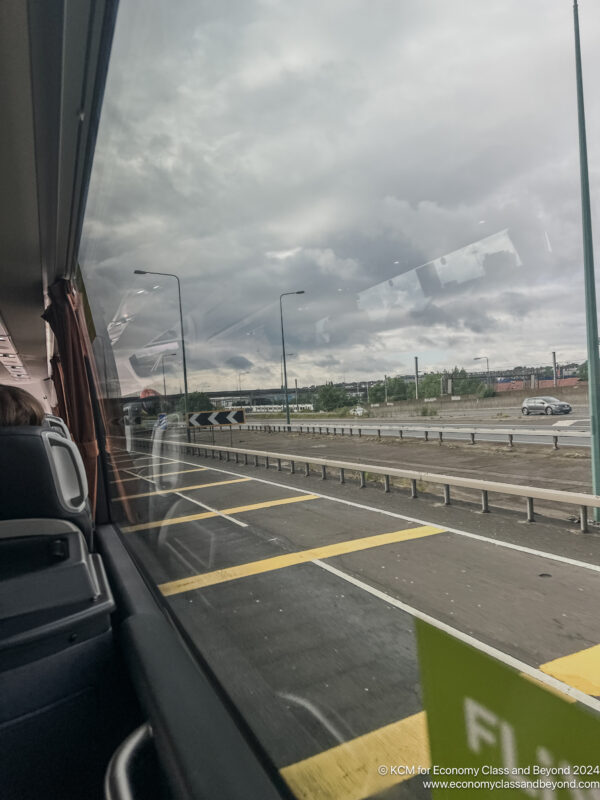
x=301 y=597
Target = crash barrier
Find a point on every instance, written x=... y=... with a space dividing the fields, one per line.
x=583 y=502
x=552 y=436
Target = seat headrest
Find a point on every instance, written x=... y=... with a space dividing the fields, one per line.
x=56 y=424
x=42 y=475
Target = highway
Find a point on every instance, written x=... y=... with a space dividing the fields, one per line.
x=301 y=596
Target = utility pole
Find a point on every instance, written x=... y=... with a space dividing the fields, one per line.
x=588 y=270
x=416 y=378
x=385 y=387
x=554 y=368
x=297 y=407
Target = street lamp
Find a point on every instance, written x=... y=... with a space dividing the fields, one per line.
x=487 y=365
x=287 y=401
x=185 y=382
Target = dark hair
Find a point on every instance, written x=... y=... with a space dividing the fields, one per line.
x=18 y=407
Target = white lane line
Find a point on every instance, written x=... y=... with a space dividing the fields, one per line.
x=191 y=499
x=498 y=542
x=197 y=502
x=521 y=666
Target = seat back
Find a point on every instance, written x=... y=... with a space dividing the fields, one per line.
x=57 y=424
x=42 y=475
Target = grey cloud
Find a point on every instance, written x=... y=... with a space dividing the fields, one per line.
x=351 y=137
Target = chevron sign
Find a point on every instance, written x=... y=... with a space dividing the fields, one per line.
x=205 y=419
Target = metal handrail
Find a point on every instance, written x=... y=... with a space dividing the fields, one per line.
x=578 y=499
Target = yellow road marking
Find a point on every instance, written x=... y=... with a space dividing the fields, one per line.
x=580 y=670
x=349 y=771
x=291 y=559
x=552 y=689
x=180 y=489
x=161 y=474
x=144 y=526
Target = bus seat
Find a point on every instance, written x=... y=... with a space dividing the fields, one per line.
x=42 y=475
x=57 y=424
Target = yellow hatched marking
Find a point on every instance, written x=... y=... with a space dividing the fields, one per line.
x=349 y=771
x=161 y=474
x=181 y=489
x=291 y=559
x=580 y=670
x=144 y=526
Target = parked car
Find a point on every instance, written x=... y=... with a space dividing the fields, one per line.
x=544 y=405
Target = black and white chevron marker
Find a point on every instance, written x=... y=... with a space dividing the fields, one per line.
x=204 y=419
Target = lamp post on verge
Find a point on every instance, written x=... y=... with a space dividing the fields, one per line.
x=185 y=381
x=487 y=366
x=588 y=273
x=285 y=384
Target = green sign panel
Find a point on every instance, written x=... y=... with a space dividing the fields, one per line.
x=494 y=732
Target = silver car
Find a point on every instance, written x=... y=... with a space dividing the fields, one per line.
x=544 y=405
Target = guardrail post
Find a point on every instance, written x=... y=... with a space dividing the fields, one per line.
x=426 y=436
x=401 y=433
x=360 y=431
x=363 y=480
x=446 y=494
x=278 y=465
x=323 y=472
x=441 y=435
x=342 y=475
x=510 y=440
x=292 y=467
x=350 y=430
x=472 y=435
x=320 y=429
x=342 y=430
x=246 y=459
x=335 y=431
x=266 y=462
x=256 y=461
x=306 y=469
x=237 y=457
x=327 y=430
x=386 y=483
x=413 y=488
x=583 y=519
x=555 y=440
x=530 y=513
x=485 y=509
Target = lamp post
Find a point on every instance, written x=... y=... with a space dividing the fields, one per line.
x=285 y=384
x=487 y=365
x=588 y=274
x=185 y=381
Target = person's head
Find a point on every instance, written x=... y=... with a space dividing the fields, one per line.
x=18 y=407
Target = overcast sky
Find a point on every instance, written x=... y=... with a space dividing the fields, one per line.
x=256 y=147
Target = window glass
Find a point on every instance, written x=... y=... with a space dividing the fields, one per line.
x=363 y=214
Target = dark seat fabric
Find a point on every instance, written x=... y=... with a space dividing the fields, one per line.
x=42 y=475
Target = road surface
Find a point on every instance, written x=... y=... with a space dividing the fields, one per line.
x=301 y=596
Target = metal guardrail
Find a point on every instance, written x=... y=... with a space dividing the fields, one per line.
x=579 y=500
x=375 y=430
